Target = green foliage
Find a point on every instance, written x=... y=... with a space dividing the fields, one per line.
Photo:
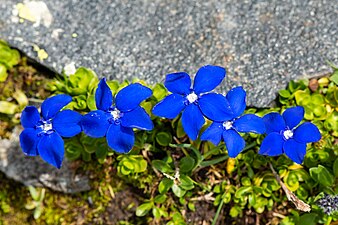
x=19 y=84
x=37 y=201
x=8 y=58
x=131 y=164
x=171 y=177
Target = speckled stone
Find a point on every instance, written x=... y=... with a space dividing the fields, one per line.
x=263 y=44
x=34 y=171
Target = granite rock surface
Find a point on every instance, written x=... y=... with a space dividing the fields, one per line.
x=34 y=171
x=263 y=44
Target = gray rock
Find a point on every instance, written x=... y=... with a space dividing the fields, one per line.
x=33 y=171
x=263 y=44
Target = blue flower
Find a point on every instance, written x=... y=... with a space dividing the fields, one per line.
x=116 y=118
x=228 y=129
x=42 y=136
x=195 y=102
x=285 y=137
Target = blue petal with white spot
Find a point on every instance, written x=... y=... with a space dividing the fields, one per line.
x=284 y=136
x=116 y=120
x=42 y=135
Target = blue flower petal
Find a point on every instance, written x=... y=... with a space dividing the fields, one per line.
x=53 y=105
x=119 y=138
x=213 y=133
x=103 y=96
x=236 y=99
x=293 y=116
x=234 y=142
x=178 y=83
x=51 y=149
x=295 y=150
x=29 y=140
x=192 y=121
x=131 y=96
x=272 y=145
x=208 y=78
x=274 y=122
x=215 y=107
x=307 y=132
x=30 y=117
x=67 y=123
x=249 y=123
x=137 y=118
x=170 y=106
x=95 y=124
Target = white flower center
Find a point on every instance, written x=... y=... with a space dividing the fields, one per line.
x=227 y=125
x=192 y=97
x=47 y=127
x=288 y=134
x=116 y=114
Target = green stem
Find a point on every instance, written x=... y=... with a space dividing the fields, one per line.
x=253 y=144
x=214 y=161
x=212 y=151
x=218 y=212
x=328 y=220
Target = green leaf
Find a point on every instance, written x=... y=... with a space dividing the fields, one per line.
x=163 y=138
x=165 y=185
x=21 y=98
x=9 y=57
x=129 y=165
x=235 y=211
x=334 y=77
x=246 y=181
x=3 y=72
x=34 y=193
x=317 y=99
x=308 y=219
x=156 y=212
x=124 y=170
x=191 y=206
x=302 y=97
x=242 y=191
x=143 y=209
x=8 y=107
x=178 y=191
x=319 y=111
x=113 y=85
x=159 y=91
x=80 y=102
x=80 y=81
x=142 y=166
x=187 y=163
x=335 y=168
x=291 y=180
x=73 y=150
x=160 y=198
x=37 y=212
x=86 y=156
x=162 y=166
x=101 y=152
x=186 y=182
x=285 y=93
x=322 y=175
x=91 y=102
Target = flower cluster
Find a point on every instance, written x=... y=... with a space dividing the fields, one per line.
x=117 y=116
x=329 y=204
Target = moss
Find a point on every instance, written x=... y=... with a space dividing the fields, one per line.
x=13 y=198
x=26 y=78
